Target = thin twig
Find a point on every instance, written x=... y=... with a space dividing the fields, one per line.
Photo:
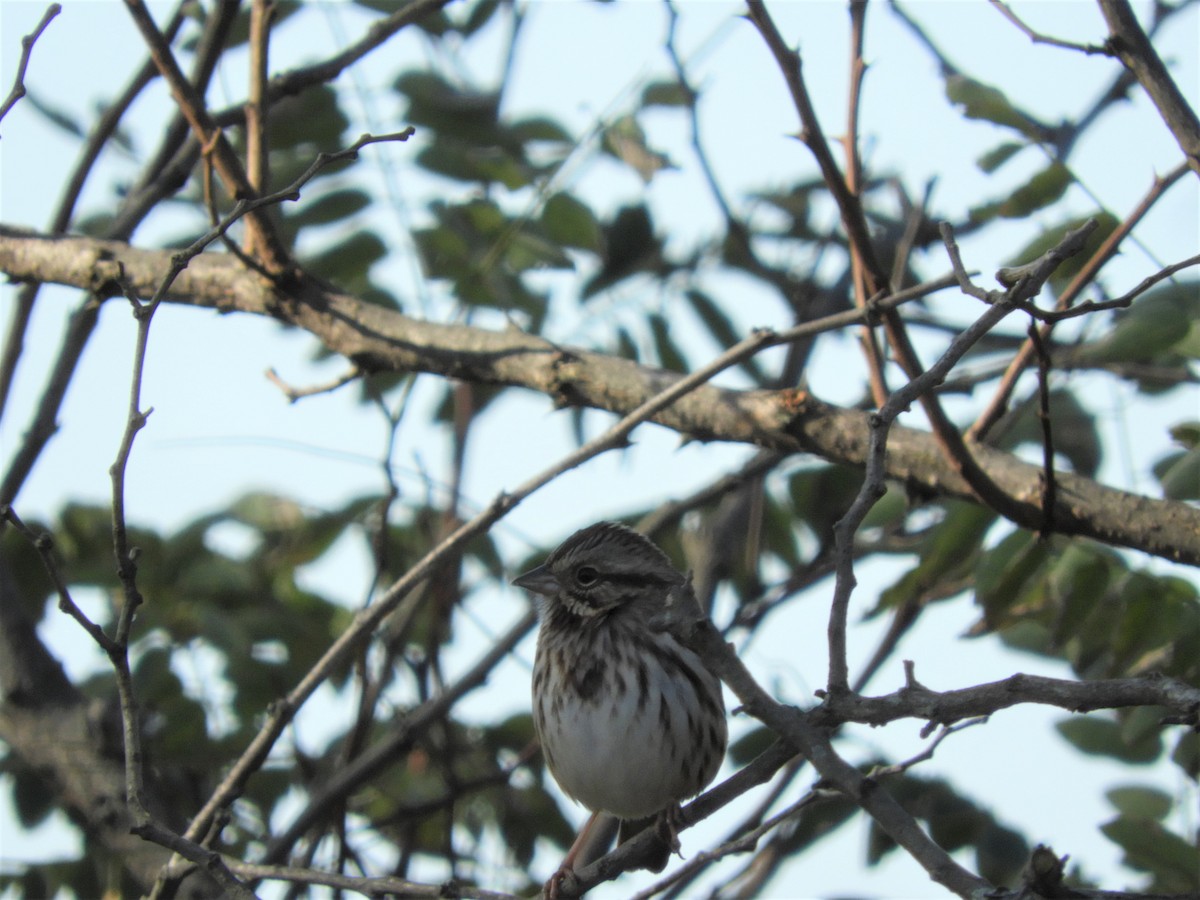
x=1091 y=268
x=1029 y=284
x=1049 y=481
x=44 y=544
x=1132 y=46
x=858 y=68
x=946 y=433
x=27 y=42
x=1038 y=38
x=257 y=172
x=274 y=255
x=743 y=843
x=297 y=393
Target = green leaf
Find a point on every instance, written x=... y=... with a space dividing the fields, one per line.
x=1102 y=737
x=998 y=156
x=1151 y=848
x=55 y=115
x=1186 y=754
x=630 y=246
x=666 y=93
x=1162 y=325
x=571 y=223
x=347 y=262
x=32 y=802
x=539 y=128
x=331 y=207
x=721 y=327
x=669 y=354
x=1140 y=801
x=1006 y=574
x=946 y=554
x=305 y=121
x=988 y=104
x=751 y=745
x=1001 y=853
x=625 y=140
x=1072 y=430
x=822 y=494
x=1043 y=189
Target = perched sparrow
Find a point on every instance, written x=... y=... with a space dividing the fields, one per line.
x=630 y=720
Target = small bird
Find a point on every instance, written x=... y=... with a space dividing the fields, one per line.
x=630 y=720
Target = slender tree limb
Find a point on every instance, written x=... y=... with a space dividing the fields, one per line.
x=1107 y=249
x=873 y=487
x=275 y=256
x=949 y=439
x=1130 y=44
x=915 y=701
x=27 y=42
x=1038 y=38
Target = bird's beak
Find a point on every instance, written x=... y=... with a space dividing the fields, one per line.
x=540 y=580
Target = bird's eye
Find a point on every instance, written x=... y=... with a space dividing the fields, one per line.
x=586 y=575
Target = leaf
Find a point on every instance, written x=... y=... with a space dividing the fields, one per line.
x=751 y=745
x=722 y=329
x=1102 y=737
x=630 y=246
x=1072 y=430
x=1151 y=848
x=669 y=354
x=1041 y=190
x=822 y=494
x=989 y=104
x=1140 y=801
x=347 y=262
x=331 y=207
x=666 y=93
x=947 y=552
x=571 y=223
x=625 y=140
x=1001 y=853
x=999 y=155
x=1161 y=326
x=303 y=122
x=1186 y=754
x=1008 y=573
x=55 y=115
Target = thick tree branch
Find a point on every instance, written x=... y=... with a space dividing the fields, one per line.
x=788 y=421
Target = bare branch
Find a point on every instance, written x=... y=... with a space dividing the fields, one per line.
x=27 y=42
x=1039 y=38
x=1107 y=249
x=1129 y=43
x=915 y=701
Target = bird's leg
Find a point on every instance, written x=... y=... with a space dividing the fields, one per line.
x=667 y=827
x=568 y=864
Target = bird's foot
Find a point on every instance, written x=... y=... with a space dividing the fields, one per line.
x=667 y=827
x=562 y=883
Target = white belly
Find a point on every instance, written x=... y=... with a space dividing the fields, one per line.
x=631 y=752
